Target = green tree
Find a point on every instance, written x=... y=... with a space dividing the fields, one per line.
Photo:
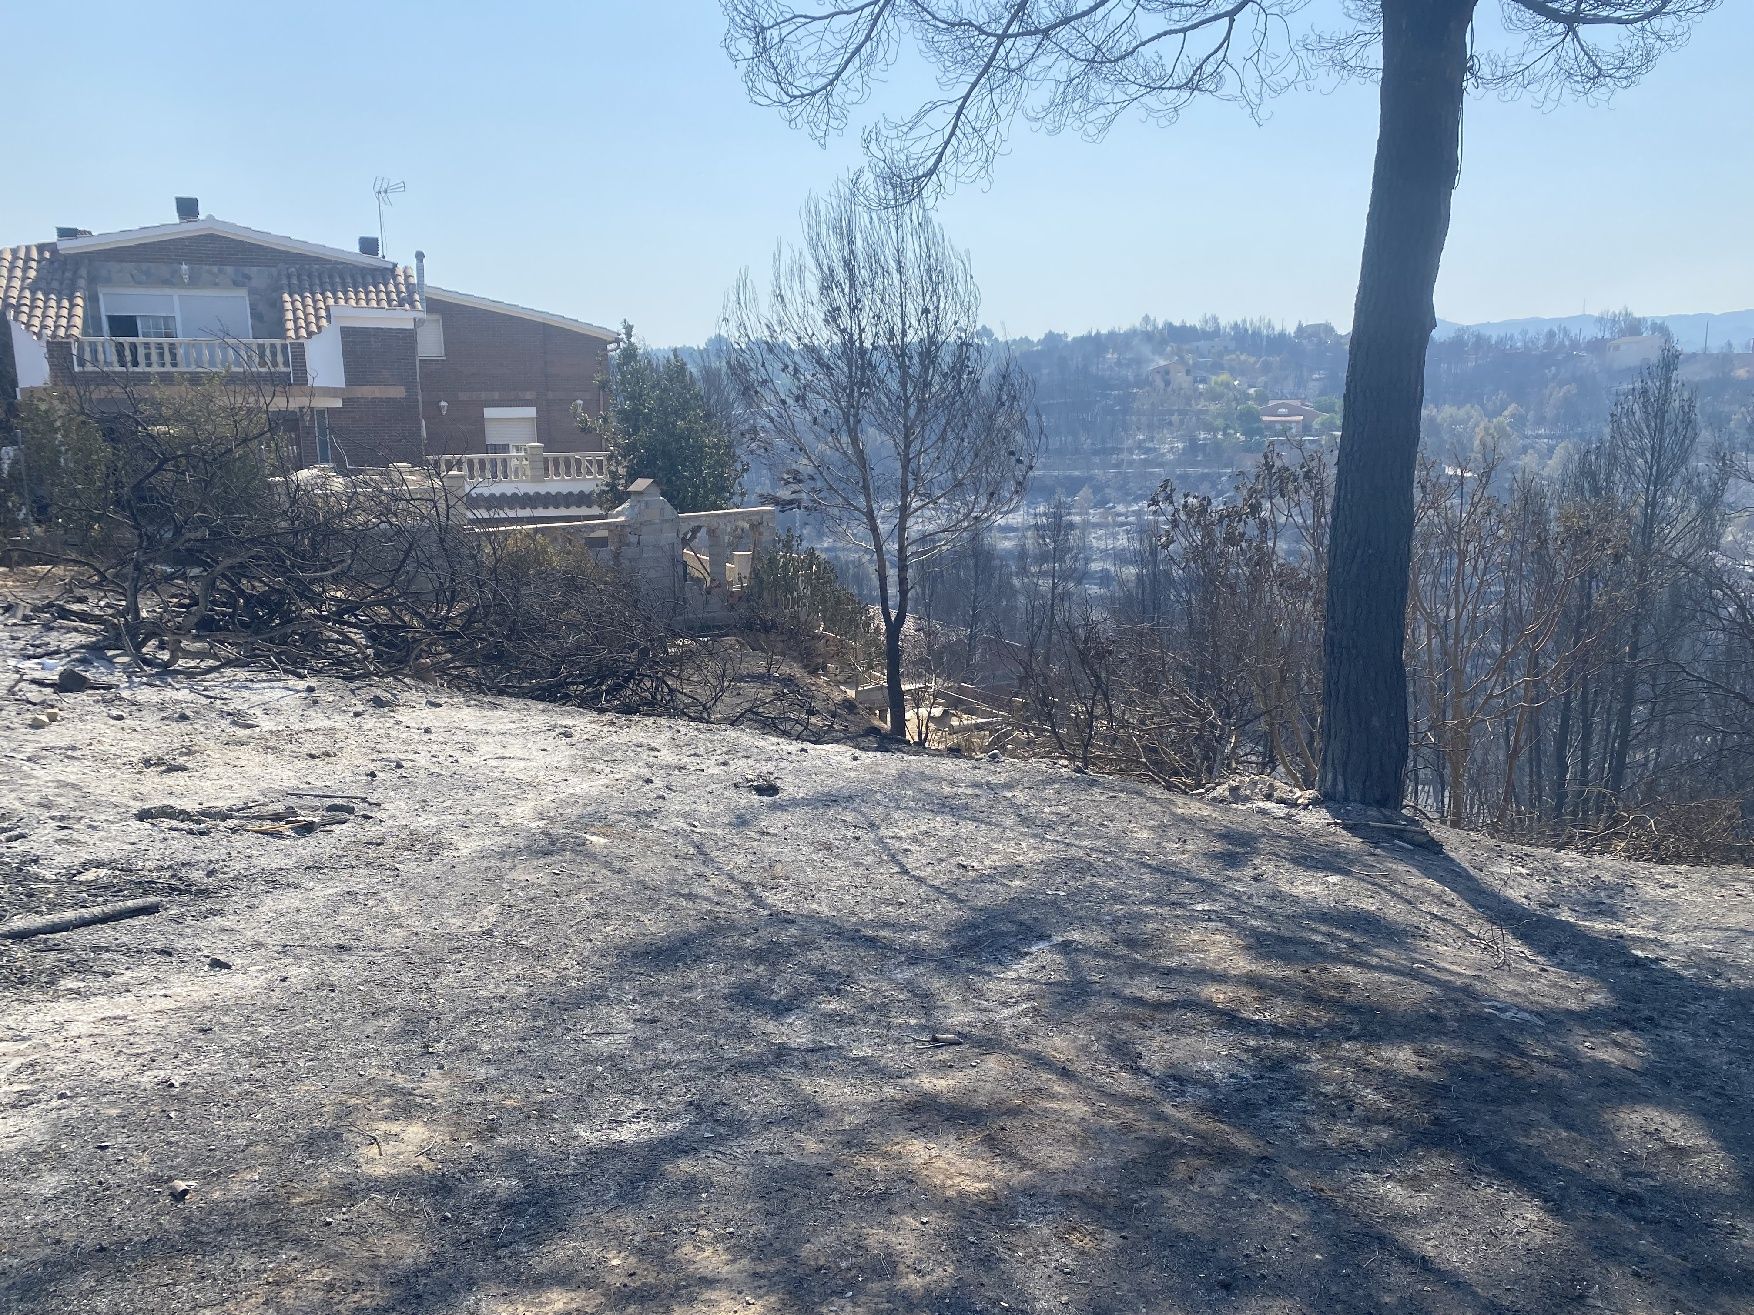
x=797 y=595
x=57 y=479
x=659 y=426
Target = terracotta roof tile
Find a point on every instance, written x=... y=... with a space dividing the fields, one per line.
x=44 y=290
x=309 y=291
x=41 y=292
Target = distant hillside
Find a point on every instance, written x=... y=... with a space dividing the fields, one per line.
x=1691 y=331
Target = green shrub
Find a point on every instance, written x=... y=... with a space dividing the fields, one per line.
x=797 y=600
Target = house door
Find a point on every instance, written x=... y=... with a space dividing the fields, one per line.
x=510 y=427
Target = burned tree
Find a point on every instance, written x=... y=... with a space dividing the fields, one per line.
x=875 y=399
x=188 y=538
x=1674 y=502
x=1064 y=65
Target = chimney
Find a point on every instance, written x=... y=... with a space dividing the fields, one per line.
x=188 y=209
x=368 y=246
x=420 y=277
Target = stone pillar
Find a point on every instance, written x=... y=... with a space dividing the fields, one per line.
x=536 y=455
x=718 y=564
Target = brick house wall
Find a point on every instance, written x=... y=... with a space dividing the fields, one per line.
x=375 y=431
x=61 y=373
x=260 y=282
x=8 y=380
x=215 y=262
x=497 y=359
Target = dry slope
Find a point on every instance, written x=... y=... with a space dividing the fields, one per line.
x=564 y=1016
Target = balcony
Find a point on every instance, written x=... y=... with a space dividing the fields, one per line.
x=528 y=483
x=201 y=355
x=531 y=464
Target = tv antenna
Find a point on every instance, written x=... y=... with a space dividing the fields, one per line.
x=384 y=189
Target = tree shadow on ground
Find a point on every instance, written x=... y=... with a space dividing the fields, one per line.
x=1266 y=1070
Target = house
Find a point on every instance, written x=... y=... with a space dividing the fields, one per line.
x=1169 y=374
x=1636 y=353
x=369 y=365
x=1293 y=419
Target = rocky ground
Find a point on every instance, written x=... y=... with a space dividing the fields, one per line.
x=468 y=1005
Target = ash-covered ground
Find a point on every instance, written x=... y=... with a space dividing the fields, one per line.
x=460 y=1004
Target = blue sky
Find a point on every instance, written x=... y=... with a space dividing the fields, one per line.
x=601 y=160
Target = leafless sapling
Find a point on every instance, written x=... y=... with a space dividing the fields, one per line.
x=876 y=400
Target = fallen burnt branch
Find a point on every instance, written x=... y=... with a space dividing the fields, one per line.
x=22 y=929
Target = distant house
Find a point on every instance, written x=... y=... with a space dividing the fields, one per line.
x=1637 y=352
x=367 y=363
x=1169 y=374
x=1289 y=419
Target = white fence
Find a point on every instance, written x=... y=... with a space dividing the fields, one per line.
x=268 y=355
x=529 y=465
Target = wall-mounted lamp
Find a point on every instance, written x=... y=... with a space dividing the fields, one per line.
x=444 y=407
x=183 y=269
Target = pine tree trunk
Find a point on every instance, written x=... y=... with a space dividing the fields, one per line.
x=1621 y=741
x=1364 y=722
x=1562 y=760
x=1582 y=797
x=892 y=678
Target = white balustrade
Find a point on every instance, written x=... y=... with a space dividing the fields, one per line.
x=733 y=543
x=577 y=465
x=483 y=467
x=271 y=355
x=516 y=467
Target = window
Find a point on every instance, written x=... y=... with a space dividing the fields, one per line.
x=140 y=314
x=213 y=314
x=173 y=314
x=431 y=334
x=143 y=326
x=509 y=427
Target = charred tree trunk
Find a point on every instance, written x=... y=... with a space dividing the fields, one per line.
x=1364 y=722
x=1564 y=769
x=1583 y=797
x=1561 y=760
x=1620 y=740
x=897 y=697
x=894 y=628
x=1537 y=764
